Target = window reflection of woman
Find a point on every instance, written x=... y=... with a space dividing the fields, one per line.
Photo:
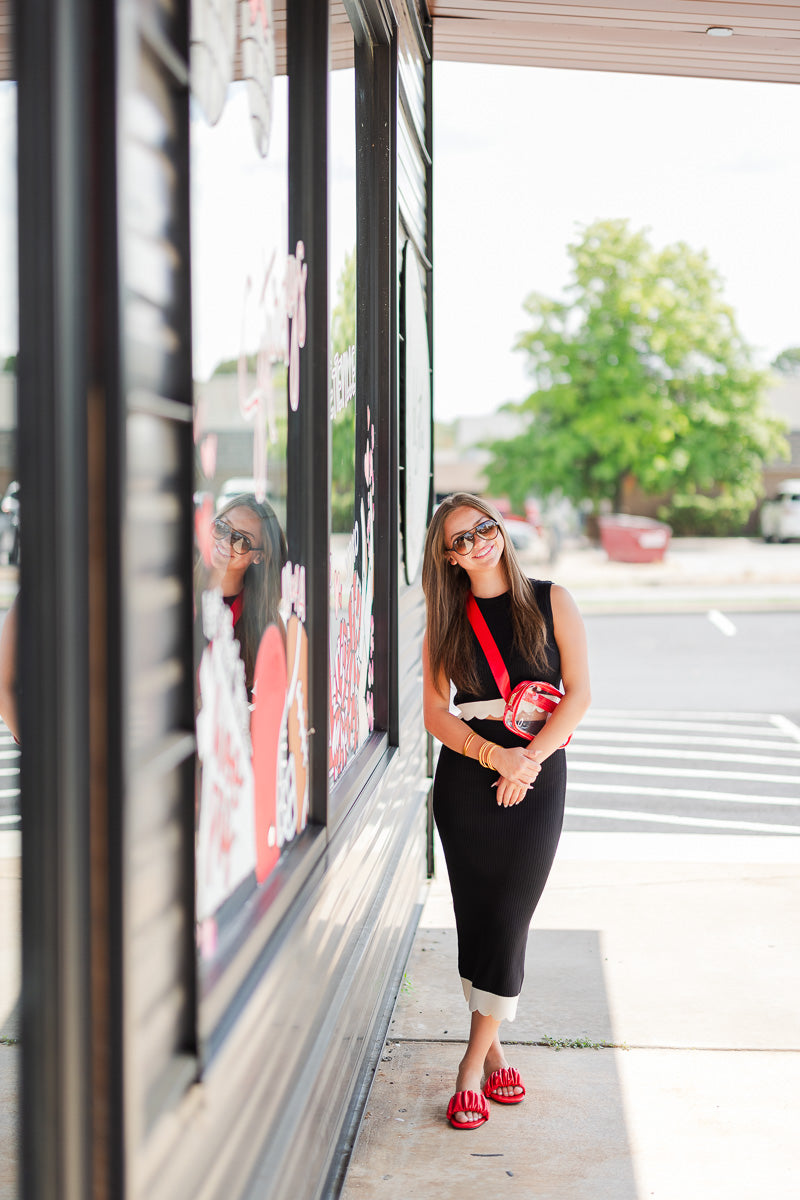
x=8 y=670
x=248 y=552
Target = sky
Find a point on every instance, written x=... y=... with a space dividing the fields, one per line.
x=525 y=156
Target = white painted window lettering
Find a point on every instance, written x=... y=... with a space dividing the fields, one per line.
x=343 y=380
x=293 y=591
x=296 y=278
x=226 y=846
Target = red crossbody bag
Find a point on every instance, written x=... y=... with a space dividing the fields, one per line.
x=529 y=701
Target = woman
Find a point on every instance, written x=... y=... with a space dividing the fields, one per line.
x=499 y=823
x=247 y=555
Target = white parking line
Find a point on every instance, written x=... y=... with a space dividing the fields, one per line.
x=787 y=726
x=609 y=814
x=681 y=739
x=693 y=773
x=698 y=725
x=624 y=789
x=721 y=622
x=672 y=713
x=764 y=760
x=12 y=820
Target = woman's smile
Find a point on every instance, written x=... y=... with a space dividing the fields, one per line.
x=487 y=552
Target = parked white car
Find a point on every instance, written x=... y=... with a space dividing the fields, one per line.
x=527 y=539
x=780 y=518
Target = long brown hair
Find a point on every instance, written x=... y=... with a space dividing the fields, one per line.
x=261 y=593
x=451 y=645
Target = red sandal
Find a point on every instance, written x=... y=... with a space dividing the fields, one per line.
x=467 y=1102
x=504 y=1077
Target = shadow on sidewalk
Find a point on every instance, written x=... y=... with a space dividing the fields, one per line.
x=567 y=1141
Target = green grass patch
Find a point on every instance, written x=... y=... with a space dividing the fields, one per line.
x=579 y=1044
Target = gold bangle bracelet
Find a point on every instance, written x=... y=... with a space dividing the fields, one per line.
x=470 y=738
x=484 y=755
x=489 y=753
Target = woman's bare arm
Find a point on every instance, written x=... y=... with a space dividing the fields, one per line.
x=571 y=641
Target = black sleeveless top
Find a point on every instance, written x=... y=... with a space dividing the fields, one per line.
x=497 y=614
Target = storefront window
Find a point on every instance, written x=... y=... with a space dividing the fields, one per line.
x=248 y=332
x=352 y=430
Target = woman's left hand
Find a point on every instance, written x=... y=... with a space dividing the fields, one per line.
x=509 y=792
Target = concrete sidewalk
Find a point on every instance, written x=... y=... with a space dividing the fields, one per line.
x=679 y=950
x=697 y=573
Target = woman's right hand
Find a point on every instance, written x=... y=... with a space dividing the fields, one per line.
x=517 y=764
x=509 y=794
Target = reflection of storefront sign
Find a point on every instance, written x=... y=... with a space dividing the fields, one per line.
x=416 y=432
x=343 y=380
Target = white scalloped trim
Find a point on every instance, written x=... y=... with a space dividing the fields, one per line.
x=502 y=1008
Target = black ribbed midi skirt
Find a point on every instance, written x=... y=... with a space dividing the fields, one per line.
x=498 y=860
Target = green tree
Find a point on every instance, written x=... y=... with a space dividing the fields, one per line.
x=343 y=425
x=640 y=374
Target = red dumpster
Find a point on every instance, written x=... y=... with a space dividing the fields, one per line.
x=633 y=539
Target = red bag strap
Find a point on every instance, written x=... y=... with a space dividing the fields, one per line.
x=488 y=646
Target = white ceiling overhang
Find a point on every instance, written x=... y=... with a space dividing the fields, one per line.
x=655 y=37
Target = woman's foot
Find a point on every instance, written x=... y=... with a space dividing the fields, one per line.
x=471 y=1110
x=502 y=1082
x=467 y=1110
